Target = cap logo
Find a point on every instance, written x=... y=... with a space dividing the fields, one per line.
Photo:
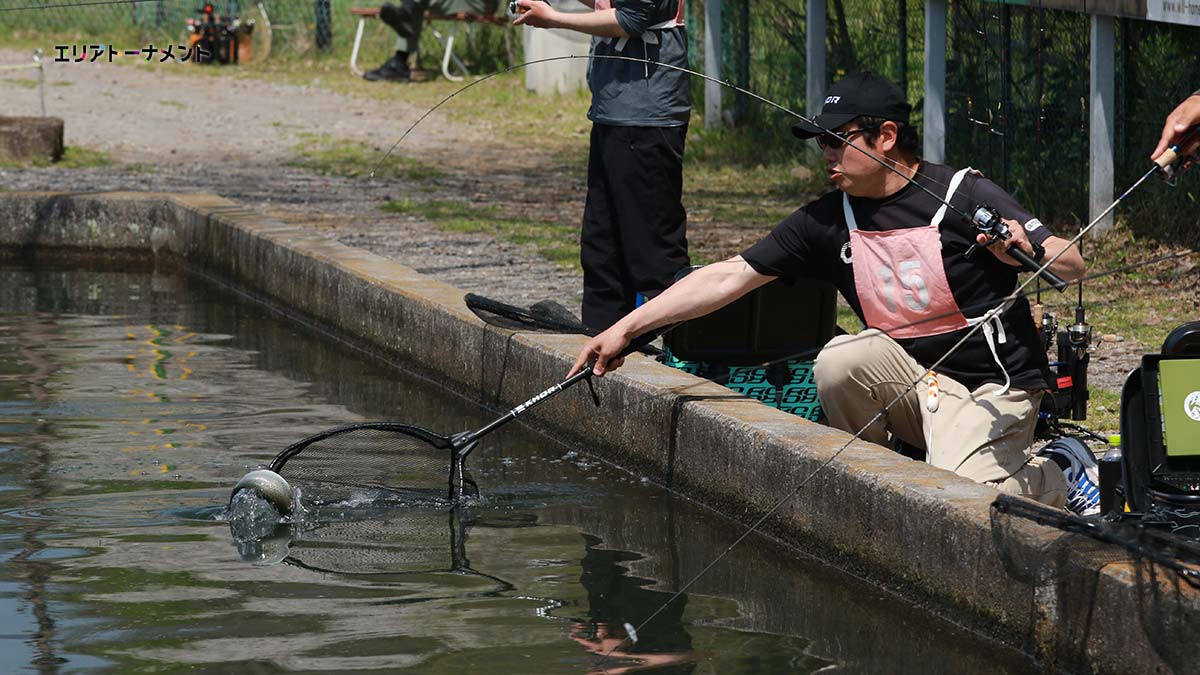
x=832 y=99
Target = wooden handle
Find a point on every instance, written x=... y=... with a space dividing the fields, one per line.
x=1167 y=158
x=1172 y=153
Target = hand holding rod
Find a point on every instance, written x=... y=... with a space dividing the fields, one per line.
x=1166 y=161
x=987 y=221
x=1032 y=265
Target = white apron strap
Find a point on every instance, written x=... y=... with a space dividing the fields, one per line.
x=851 y=223
x=993 y=332
x=954 y=183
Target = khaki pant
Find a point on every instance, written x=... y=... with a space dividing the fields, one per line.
x=977 y=434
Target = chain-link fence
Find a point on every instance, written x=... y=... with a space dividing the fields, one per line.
x=1017 y=89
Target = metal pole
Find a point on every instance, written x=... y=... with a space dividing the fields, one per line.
x=935 y=81
x=744 y=56
x=1005 y=93
x=324 y=27
x=712 y=63
x=41 y=68
x=814 y=70
x=1101 y=123
x=903 y=46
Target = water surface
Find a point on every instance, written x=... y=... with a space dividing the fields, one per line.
x=131 y=402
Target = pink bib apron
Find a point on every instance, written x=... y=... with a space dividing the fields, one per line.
x=900 y=280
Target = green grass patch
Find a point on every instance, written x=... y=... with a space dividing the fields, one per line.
x=340 y=157
x=73 y=158
x=1104 y=411
x=556 y=242
x=21 y=82
x=847 y=320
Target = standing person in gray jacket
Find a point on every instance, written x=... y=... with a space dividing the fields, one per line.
x=634 y=235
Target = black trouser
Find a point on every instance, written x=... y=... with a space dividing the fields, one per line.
x=634 y=236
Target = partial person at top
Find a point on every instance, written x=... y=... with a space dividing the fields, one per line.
x=634 y=234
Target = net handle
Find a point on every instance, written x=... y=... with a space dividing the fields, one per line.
x=465 y=442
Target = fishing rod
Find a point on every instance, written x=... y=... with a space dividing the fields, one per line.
x=1168 y=159
x=71 y=5
x=986 y=220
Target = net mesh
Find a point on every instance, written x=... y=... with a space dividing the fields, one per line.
x=351 y=464
x=407 y=542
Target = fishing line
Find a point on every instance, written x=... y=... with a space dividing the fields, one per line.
x=884 y=161
x=887 y=164
x=936 y=365
x=76 y=4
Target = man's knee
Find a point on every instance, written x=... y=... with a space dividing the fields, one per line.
x=842 y=355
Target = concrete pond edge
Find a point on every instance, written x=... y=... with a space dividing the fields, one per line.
x=926 y=532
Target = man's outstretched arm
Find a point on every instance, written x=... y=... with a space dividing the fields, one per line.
x=701 y=292
x=602 y=23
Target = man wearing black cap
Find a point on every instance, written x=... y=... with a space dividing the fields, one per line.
x=896 y=253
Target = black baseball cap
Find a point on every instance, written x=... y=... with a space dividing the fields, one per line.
x=854 y=96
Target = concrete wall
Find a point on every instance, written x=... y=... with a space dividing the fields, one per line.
x=922 y=532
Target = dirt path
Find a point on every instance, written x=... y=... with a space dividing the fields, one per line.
x=188 y=133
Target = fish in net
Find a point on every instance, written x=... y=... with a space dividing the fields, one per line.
x=361 y=462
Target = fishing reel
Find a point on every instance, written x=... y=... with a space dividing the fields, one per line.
x=987 y=222
x=514 y=10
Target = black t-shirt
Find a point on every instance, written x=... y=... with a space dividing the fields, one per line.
x=809 y=244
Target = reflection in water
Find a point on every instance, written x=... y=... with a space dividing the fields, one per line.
x=131 y=403
x=616 y=599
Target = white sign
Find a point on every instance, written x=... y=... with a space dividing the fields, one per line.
x=1174 y=11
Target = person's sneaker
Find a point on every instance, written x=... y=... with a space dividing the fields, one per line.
x=392 y=70
x=1082 y=472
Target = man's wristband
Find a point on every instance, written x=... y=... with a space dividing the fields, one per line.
x=1039 y=252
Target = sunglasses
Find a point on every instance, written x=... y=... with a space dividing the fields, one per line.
x=835 y=141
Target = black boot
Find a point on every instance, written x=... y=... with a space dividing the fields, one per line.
x=395 y=69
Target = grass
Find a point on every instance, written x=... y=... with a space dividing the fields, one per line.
x=1104 y=411
x=22 y=82
x=331 y=156
x=1143 y=303
x=73 y=158
x=556 y=242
